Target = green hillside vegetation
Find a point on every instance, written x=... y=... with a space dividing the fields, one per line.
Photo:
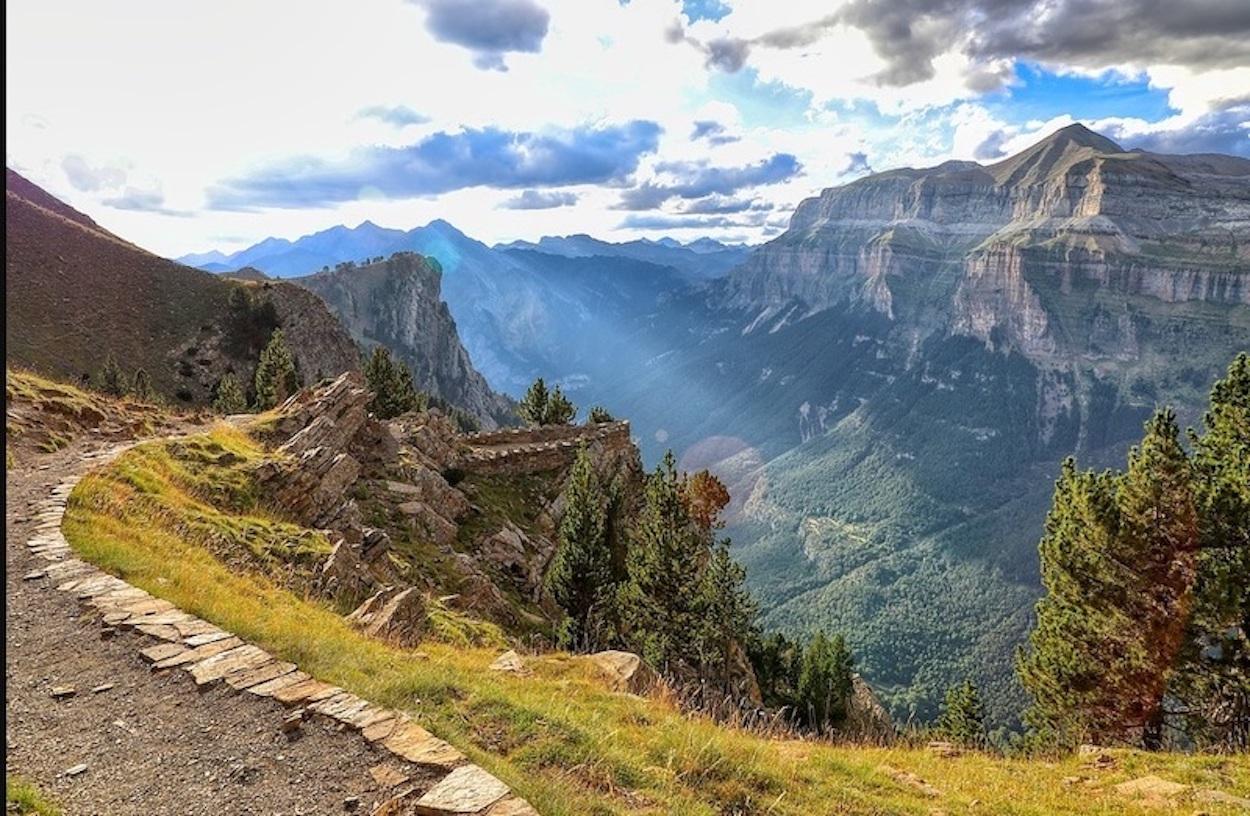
x=158 y=516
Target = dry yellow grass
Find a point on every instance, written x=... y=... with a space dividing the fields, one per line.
x=558 y=737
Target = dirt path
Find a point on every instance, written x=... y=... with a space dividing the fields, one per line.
x=151 y=742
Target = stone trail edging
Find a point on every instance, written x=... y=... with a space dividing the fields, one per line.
x=210 y=655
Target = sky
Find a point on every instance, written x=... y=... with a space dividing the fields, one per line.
x=211 y=125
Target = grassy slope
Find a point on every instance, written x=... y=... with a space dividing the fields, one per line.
x=558 y=737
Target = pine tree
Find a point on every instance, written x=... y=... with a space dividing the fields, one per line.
x=390 y=381
x=532 y=409
x=1213 y=683
x=112 y=379
x=826 y=682
x=727 y=611
x=599 y=415
x=580 y=576
x=963 y=717
x=276 y=378
x=560 y=411
x=141 y=386
x=660 y=597
x=542 y=407
x=1118 y=559
x=229 y=397
x=1159 y=540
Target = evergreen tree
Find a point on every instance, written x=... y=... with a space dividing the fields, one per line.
x=276 y=378
x=826 y=682
x=542 y=407
x=727 y=611
x=229 y=397
x=141 y=386
x=1213 y=683
x=112 y=379
x=777 y=661
x=532 y=409
x=1117 y=561
x=560 y=411
x=963 y=717
x=580 y=575
x=391 y=383
x=660 y=597
x=599 y=415
x=1159 y=541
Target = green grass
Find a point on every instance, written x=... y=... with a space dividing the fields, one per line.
x=21 y=796
x=558 y=736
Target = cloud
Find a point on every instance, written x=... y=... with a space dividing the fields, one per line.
x=151 y=201
x=397 y=115
x=720 y=205
x=540 y=200
x=992 y=146
x=714 y=132
x=646 y=196
x=670 y=222
x=88 y=179
x=488 y=28
x=442 y=162
x=698 y=179
x=1222 y=131
x=856 y=163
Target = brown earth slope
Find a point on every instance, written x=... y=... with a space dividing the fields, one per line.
x=75 y=293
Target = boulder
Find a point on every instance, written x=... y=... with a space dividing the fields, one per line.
x=392 y=614
x=510 y=663
x=440 y=530
x=343 y=573
x=866 y=718
x=624 y=671
x=1150 y=788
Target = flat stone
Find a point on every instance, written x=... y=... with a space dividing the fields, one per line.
x=206 y=637
x=512 y=806
x=76 y=770
x=292 y=721
x=466 y=790
x=415 y=744
x=62 y=692
x=387 y=776
x=270 y=687
x=103 y=687
x=145 y=606
x=341 y=707
x=159 y=631
x=380 y=730
x=1222 y=798
x=368 y=716
x=199 y=653
x=214 y=668
x=35 y=575
x=308 y=691
x=162 y=651
x=168 y=618
x=194 y=626
x=260 y=674
x=106 y=584
x=1150 y=787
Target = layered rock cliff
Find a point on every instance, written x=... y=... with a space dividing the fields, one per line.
x=398 y=303
x=1011 y=253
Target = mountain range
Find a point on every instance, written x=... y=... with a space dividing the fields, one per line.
x=888 y=387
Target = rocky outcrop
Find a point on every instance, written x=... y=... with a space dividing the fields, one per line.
x=318 y=341
x=393 y=614
x=398 y=303
x=624 y=672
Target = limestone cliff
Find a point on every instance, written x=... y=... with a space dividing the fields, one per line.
x=398 y=303
x=1011 y=253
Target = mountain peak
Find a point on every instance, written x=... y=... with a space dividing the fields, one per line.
x=1082 y=136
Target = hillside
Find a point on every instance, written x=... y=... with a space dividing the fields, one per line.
x=76 y=294
x=203 y=522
